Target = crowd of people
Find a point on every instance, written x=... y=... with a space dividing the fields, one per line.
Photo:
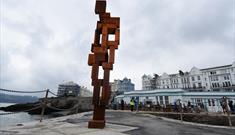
x=135 y=105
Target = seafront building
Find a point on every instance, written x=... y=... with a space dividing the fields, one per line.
x=210 y=100
x=85 y=92
x=221 y=78
x=68 y=89
x=121 y=86
x=198 y=87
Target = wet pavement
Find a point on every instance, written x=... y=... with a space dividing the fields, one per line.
x=151 y=125
x=117 y=123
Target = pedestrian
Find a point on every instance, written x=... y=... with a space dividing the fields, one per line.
x=178 y=105
x=224 y=104
x=132 y=104
x=137 y=104
x=175 y=107
x=189 y=107
x=122 y=104
x=184 y=108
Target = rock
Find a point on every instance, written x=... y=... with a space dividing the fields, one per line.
x=61 y=103
x=19 y=125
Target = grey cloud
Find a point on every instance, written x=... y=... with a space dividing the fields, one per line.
x=156 y=37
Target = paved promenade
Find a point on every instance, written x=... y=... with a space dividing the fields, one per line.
x=118 y=123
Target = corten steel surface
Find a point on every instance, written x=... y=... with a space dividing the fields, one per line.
x=103 y=53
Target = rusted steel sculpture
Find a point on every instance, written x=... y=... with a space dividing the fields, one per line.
x=103 y=52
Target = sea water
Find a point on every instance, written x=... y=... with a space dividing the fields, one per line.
x=14 y=119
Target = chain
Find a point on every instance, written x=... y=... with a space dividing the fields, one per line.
x=59 y=109
x=52 y=93
x=15 y=91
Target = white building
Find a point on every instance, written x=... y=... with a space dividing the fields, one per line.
x=211 y=100
x=68 y=89
x=220 y=78
x=84 y=92
x=146 y=82
x=121 y=86
x=149 y=82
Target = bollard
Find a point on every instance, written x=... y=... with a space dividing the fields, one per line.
x=44 y=105
x=181 y=114
x=77 y=109
x=181 y=110
x=229 y=119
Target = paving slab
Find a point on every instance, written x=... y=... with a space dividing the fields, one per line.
x=118 y=123
x=68 y=125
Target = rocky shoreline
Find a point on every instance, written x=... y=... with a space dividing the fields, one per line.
x=55 y=105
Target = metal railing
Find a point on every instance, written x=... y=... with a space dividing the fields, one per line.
x=181 y=109
x=44 y=103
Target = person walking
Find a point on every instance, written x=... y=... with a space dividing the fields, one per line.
x=175 y=107
x=137 y=104
x=132 y=103
x=224 y=104
x=122 y=104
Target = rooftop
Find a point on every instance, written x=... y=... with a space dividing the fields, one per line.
x=70 y=83
x=216 y=67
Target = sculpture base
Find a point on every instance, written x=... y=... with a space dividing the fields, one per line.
x=96 y=124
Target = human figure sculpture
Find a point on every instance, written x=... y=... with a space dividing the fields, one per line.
x=103 y=53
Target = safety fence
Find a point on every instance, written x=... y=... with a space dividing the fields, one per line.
x=182 y=107
x=42 y=105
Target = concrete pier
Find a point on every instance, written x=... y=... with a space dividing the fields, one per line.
x=118 y=123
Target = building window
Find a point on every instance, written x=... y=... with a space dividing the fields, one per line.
x=157 y=99
x=161 y=100
x=194 y=85
x=209 y=102
x=214 y=78
x=226 y=77
x=213 y=102
x=215 y=85
x=198 y=78
x=200 y=85
x=166 y=100
x=193 y=78
x=213 y=72
x=226 y=84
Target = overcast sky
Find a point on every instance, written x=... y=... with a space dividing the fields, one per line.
x=46 y=42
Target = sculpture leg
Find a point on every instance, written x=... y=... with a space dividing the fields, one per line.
x=98 y=117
